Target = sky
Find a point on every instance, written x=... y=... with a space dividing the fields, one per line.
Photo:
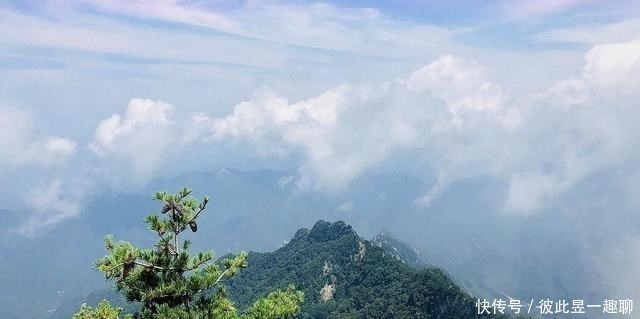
x=95 y=94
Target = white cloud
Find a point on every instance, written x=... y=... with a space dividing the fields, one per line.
x=297 y=33
x=326 y=129
x=581 y=126
x=170 y=10
x=618 y=31
x=59 y=145
x=531 y=9
x=348 y=129
x=19 y=146
x=314 y=25
x=447 y=76
x=50 y=206
x=140 y=139
x=78 y=32
x=140 y=113
x=452 y=115
x=612 y=64
x=462 y=85
x=458 y=122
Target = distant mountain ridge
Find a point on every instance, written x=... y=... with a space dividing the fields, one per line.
x=399 y=250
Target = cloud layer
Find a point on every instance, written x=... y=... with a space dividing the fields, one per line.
x=344 y=91
x=450 y=115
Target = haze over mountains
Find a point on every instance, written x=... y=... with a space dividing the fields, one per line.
x=462 y=231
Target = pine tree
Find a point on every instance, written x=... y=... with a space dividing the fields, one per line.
x=103 y=311
x=169 y=283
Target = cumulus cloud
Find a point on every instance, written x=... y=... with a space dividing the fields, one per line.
x=326 y=129
x=349 y=129
x=140 y=112
x=462 y=85
x=543 y=144
x=451 y=116
x=139 y=139
x=615 y=64
x=580 y=126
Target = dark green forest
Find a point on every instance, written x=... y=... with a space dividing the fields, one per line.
x=345 y=276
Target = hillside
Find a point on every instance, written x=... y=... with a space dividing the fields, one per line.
x=345 y=276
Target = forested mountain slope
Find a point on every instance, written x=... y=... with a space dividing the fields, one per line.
x=345 y=276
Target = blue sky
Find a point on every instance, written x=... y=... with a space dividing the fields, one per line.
x=538 y=95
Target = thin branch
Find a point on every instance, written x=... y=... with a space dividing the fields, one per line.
x=220 y=277
x=195 y=216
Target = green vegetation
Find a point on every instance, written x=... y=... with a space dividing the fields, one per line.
x=104 y=310
x=168 y=283
x=344 y=276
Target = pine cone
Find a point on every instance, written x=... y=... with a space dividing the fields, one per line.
x=193 y=226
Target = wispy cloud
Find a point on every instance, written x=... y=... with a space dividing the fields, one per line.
x=522 y=9
x=50 y=205
x=291 y=27
x=618 y=31
x=20 y=146
x=169 y=10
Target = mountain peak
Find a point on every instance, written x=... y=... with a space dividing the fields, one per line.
x=324 y=231
x=343 y=275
